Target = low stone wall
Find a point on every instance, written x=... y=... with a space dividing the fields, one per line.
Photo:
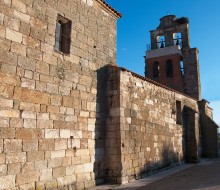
x=145 y=134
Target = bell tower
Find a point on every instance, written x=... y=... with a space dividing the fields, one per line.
x=169 y=59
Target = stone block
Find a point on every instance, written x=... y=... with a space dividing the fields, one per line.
x=7 y=133
x=46 y=144
x=16 y=157
x=29 y=107
x=14 y=168
x=18 y=48
x=2 y=158
x=59 y=172
x=83 y=177
x=30 y=145
x=9 y=79
x=9 y=69
x=7 y=182
x=31 y=42
x=35 y=155
x=47 y=124
x=13 y=35
x=6 y=91
x=64 y=133
x=75 y=143
x=21 y=16
x=84 y=114
x=13 y=145
x=27 y=83
x=36 y=55
x=28 y=74
x=29 y=186
x=66 y=161
x=19 y=6
x=40 y=165
x=80 y=185
x=27 y=167
x=85 y=80
x=56 y=117
x=60 y=144
x=58 y=154
x=4 y=122
x=70 y=170
x=89 y=167
x=68 y=181
x=53 y=109
x=37 y=23
x=3 y=170
x=56 y=100
x=29 y=134
x=70 y=118
x=51 y=133
x=50 y=59
x=40 y=185
x=76 y=134
x=37 y=34
x=27 y=177
x=31 y=96
x=5 y=103
x=54 y=162
x=46 y=175
x=64 y=90
x=25 y=29
x=26 y=63
x=16 y=122
x=43 y=116
x=82 y=152
x=51 y=184
x=10 y=113
x=30 y=123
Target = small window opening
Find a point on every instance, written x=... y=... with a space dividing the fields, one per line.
x=161 y=42
x=156 y=69
x=169 y=68
x=177 y=39
x=182 y=67
x=62 y=36
x=178 y=113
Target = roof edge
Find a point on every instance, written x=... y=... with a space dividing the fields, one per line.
x=109 y=8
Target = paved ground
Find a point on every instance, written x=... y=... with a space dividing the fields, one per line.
x=202 y=176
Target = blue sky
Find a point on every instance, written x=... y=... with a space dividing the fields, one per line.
x=141 y=16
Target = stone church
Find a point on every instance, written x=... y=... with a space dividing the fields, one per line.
x=70 y=118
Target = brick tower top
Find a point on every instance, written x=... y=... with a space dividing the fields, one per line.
x=169 y=58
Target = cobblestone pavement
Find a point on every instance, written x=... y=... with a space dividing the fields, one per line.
x=202 y=176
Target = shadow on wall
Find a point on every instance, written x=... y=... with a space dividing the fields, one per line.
x=100 y=125
x=169 y=159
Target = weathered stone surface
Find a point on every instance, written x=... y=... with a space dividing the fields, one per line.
x=27 y=177
x=11 y=146
x=7 y=182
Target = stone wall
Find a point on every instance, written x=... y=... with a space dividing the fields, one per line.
x=49 y=112
x=148 y=133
